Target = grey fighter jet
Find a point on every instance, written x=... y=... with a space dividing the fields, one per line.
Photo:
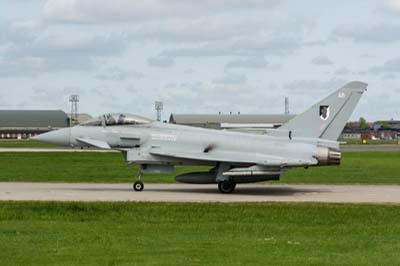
x=309 y=139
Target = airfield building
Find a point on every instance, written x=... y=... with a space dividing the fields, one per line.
x=22 y=124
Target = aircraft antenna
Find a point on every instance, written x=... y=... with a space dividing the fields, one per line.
x=159 y=106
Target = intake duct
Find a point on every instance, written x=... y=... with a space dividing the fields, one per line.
x=328 y=156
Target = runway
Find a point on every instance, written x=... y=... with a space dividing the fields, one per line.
x=199 y=193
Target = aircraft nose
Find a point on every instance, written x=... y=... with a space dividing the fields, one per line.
x=57 y=137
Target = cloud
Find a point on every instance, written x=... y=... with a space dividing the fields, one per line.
x=394 y=5
x=161 y=61
x=35 y=66
x=311 y=86
x=231 y=79
x=189 y=71
x=59 y=52
x=250 y=62
x=47 y=96
x=245 y=47
x=212 y=98
x=195 y=30
x=390 y=66
x=309 y=91
x=366 y=56
x=214 y=30
x=117 y=74
x=102 y=11
x=19 y=31
x=378 y=33
x=21 y=67
x=67 y=45
x=343 y=71
x=389 y=76
x=322 y=61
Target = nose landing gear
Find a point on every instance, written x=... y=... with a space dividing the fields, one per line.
x=138 y=185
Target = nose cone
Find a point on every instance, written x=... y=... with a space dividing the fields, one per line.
x=58 y=137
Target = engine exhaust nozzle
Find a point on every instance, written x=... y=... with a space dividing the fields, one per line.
x=328 y=156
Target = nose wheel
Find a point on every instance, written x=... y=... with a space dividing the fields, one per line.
x=138 y=185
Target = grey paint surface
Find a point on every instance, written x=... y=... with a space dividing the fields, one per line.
x=352 y=148
x=224 y=118
x=33 y=119
x=340 y=104
x=200 y=193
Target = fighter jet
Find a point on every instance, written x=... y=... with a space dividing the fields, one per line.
x=307 y=140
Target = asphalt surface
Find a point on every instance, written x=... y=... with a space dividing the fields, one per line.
x=199 y=193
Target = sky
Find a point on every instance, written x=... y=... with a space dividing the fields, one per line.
x=196 y=56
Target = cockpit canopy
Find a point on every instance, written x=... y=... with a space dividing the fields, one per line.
x=117 y=120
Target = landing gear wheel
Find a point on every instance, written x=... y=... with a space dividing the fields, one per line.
x=138 y=186
x=226 y=187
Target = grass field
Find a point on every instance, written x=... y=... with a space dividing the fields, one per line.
x=24 y=143
x=198 y=234
x=369 y=142
x=357 y=167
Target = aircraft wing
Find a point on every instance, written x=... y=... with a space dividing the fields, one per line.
x=234 y=157
x=95 y=143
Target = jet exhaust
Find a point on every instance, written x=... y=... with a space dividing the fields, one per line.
x=328 y=156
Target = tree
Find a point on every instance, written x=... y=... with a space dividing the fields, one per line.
x=385 y=124
x=363 y=123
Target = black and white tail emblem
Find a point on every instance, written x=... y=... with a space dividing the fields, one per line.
x=324 y=112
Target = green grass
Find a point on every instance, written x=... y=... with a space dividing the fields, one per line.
x=357 y=167
x=74 y=167
x=24 y=143
x=198 y=234
x=369 y=142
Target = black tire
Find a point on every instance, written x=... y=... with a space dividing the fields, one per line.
x=138 y=186
x=226 y=187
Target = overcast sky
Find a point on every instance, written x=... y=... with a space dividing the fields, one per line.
x=197 y=56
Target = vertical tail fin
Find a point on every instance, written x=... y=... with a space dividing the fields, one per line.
x=327 y=118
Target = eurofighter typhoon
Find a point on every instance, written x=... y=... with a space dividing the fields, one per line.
x=307 y=140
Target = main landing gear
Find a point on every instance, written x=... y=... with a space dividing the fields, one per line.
x=138 y=185
x=226 y=187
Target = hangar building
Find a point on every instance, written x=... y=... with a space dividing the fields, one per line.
x=229 y=121
x=22 y=124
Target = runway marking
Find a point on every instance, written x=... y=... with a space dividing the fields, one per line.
x=199 y=193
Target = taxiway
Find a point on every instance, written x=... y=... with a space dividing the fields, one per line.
x=16 y=191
